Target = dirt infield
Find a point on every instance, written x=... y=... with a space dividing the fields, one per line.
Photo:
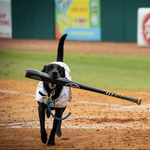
x=97 y=121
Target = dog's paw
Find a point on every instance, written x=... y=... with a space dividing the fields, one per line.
x=51 y=143
x=44 y=137
x=58 y=133
x=47 y=113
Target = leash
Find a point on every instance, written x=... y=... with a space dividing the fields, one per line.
x=49 y=108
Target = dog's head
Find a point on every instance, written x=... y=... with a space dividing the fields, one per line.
x=56 y=70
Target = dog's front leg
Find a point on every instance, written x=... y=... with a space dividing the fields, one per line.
x=51 y=140
x=58 y=130
x=41 y=110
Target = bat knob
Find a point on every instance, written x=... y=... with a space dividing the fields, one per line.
x=139 y=101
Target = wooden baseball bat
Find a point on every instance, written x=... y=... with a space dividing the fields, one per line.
x=41 y=76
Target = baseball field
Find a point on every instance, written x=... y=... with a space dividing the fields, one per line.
x=97 y=121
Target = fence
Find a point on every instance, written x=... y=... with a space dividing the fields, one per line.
x=35 y=19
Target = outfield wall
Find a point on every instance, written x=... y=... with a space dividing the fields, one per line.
x=35 y=19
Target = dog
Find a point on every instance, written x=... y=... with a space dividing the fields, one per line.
x=58 y=95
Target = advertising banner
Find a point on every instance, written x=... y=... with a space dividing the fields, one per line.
x=5 y=19
x=80 y=19
x=143 y=29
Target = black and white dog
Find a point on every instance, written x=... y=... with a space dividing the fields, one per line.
x=58 y=95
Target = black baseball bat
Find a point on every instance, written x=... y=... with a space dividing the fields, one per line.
x=41 y=76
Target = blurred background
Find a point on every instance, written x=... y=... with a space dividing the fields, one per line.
x=91 y=20
x=113 y=25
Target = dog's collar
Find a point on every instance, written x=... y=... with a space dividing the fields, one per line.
x=52 y=94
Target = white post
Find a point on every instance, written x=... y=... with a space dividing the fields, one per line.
x=143 y=27
x=5 y=19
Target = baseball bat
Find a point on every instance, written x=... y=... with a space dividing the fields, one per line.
x=41 y=76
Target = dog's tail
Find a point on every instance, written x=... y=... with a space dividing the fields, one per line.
x=60 y=51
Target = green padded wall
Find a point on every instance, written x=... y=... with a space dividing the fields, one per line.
x=33 y=19
x=119 y=19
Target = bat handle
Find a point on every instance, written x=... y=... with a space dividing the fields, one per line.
x=135 y=100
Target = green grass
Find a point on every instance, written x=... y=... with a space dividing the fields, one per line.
x=129 y=73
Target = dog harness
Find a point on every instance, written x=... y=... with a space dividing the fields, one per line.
x=60 y=102
x=65 y=95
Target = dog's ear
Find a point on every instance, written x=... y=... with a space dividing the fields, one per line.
x=44 y=69
x=62 y=73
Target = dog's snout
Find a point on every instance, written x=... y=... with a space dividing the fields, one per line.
x=54 y=74
x=54 y=71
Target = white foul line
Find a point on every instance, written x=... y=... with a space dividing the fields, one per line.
x=33 y=95
x=121 y=107
x=110 y=125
